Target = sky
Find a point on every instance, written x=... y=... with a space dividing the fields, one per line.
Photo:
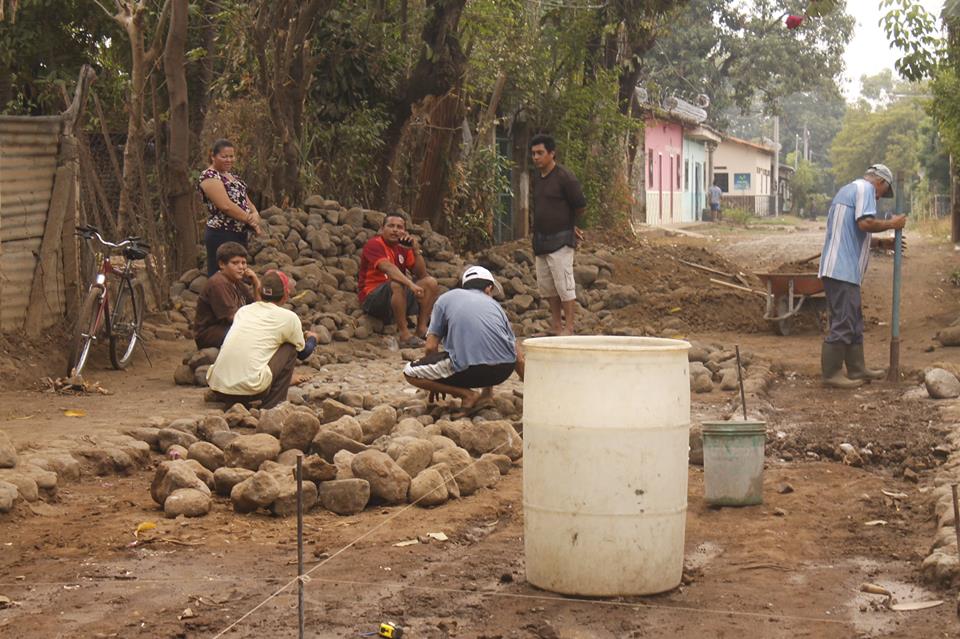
x=868 y=51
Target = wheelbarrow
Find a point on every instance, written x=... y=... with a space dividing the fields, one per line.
x=788 y=294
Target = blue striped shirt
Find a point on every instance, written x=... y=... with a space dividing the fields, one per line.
x=846 y=249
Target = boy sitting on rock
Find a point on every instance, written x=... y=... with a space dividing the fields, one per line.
x=233 y=286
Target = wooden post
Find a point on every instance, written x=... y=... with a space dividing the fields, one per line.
x=63 y=202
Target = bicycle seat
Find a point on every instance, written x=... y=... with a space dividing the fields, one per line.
x=136 y=251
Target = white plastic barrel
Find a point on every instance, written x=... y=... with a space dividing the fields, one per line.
x=605 y=443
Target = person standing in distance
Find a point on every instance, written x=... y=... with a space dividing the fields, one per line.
x=846 y=253
x=558 y=206
x=715 y=193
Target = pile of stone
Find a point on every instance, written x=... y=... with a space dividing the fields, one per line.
x=319 y=246
x=350 y=458
x=36 y=473
x=193 y=368
x=942 y=566
x=713 y=365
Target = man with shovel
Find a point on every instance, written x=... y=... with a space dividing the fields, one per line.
x=846 y=253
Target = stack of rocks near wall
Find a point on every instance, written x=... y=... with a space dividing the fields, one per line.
x=350 y=457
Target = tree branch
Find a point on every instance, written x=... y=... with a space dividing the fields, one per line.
x=150 y=56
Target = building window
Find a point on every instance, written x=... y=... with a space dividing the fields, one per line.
x=722 y=180
x=679 y=173
x=650 y=166
x=686 y=175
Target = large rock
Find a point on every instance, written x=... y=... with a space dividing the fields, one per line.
x=203 y=357
x=328 y=443
x=453 y=490
x=949 y=336
x=149 y=435
x=249 y=451
x=8 y=495
x=334 y=410
x=271 y=420
x=8 y=453
x=210 y=426
x=183 y=375
x=221 y=439
x=344 y=496
x=460 y=464
x=173 y=475
x=379 y=422
x=209 y=456
x=188 y=502
x=455 y=430
x=343 y=461
x=701 y=383
x=259 y=491
x=46 y=480
x=298 y=430
x=226 y=478
x=317 y=469
x=389 y=483
x=428 y=488
x=487 y=473
x=167 y=437
x=414 y=456
x=502 y=462
x=66 y=467
x=410 y=427
x=493 y=437
x=347 y=426
x=26 y=486
x=941 y=384
x=285 y=504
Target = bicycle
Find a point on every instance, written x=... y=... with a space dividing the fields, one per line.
x=121 y=323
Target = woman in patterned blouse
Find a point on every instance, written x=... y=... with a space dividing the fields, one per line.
x=230 y=213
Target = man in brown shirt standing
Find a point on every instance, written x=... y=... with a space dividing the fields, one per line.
x=558 y=205
x=233 y=286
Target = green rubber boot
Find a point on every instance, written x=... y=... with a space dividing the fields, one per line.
x=857 y=367
x=831 y=367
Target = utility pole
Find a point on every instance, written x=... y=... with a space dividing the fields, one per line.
x=806 y=143
x=776 y=165
x=796 y=153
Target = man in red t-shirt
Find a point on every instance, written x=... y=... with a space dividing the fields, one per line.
x=393 y=281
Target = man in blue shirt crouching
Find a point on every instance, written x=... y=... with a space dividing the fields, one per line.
x=480 y=349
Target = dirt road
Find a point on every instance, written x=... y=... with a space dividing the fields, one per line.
x=789 y=568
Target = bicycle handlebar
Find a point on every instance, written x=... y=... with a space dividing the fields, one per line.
x=89 y=232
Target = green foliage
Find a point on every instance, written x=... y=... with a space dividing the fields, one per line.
x=474 y=192
x=737 y=216
x=807 y=182
x=45 y=48
x=340 y=158
x=888 y=135
x=912 y=29
x=590 y=133
x=739 y=52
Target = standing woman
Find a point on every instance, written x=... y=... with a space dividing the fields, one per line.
x=230 y=213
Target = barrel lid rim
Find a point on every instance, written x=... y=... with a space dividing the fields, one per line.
x=750 y=425
x=606 y=343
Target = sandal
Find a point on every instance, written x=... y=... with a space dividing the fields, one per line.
x=412 y=342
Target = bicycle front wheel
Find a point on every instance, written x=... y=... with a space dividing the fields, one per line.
x=89 y=321
x=126 y=320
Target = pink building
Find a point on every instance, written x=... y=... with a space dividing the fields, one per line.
x=663 y=144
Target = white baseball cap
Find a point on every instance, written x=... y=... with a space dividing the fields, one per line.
x=480 y=273
x=885 y=174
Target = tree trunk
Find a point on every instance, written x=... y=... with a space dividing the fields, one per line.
x=444 y=115
x=180 y=194
x=282 y=40
x=439 y=70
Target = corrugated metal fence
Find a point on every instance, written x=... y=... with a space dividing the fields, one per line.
x=28 y=162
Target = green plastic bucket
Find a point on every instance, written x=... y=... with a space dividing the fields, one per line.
x=733 y=462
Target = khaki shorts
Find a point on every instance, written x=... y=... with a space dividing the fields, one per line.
x=555 y=274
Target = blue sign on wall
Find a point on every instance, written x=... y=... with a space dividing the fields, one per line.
x=741 y=181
